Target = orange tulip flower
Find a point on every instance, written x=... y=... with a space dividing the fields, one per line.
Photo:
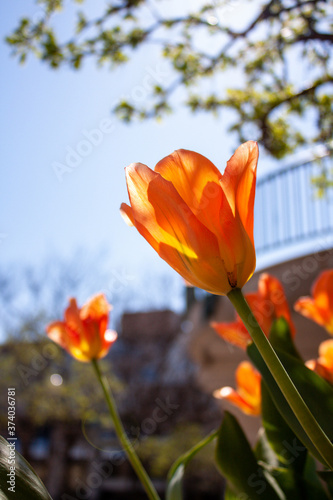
x=83 y=333
x=324 y=364
x=198 y=220
x=320 y=307
x=268 y=304
x=247 y=397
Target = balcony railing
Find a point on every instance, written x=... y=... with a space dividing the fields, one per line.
x=290 y=218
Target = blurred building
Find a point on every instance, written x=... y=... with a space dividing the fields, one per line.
x=158 y=397
x=152 y=358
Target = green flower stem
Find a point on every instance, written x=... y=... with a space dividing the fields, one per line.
x=125 y=442
x=290 y=392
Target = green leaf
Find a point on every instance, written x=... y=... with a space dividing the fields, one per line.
x=278 y=398
x=287 y=482
x=263 y=451
x=298 y=478
x=280 y=338
x=316 y=392
x=27 y=485
x=177 y=470
x=313 y=487
x=300 y=483
x=229 y=493
x=297 y=487
x=289 y=450
x=327 y=476
x=238 y=463
x=175 y=489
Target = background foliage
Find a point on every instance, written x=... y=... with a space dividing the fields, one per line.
x=274 y=73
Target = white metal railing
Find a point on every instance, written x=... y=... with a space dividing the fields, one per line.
x=290 y=218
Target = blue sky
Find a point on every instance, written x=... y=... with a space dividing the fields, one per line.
x=47 y=117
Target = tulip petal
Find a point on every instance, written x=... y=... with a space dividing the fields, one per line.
x=272 y=304
x=236 y=399
x=326 y=354
x=233 y=397
x=95 y=308
x=248 y=381
x=236 y=213
x=67 y=338
x=57 y=332
x=236 y=248
x=324 y=364
x=320 y=307
x=127 y=214
x=95 y=316
x=307 y=307
x=235 y=333
x=197 y=220
x=197 y=181
x=72 y=318
x=171 y=228
x=83 y=332
x=238 y=182
x=323 y=289
x=108 y=340
x=267 y=305
x=262 y=308
x=323 y=296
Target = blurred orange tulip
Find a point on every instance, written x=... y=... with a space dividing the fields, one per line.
x=320 y=307
x=198 y=220
x=324 y=364
x=268 y=304
x=83 y=333
x=248 y=394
